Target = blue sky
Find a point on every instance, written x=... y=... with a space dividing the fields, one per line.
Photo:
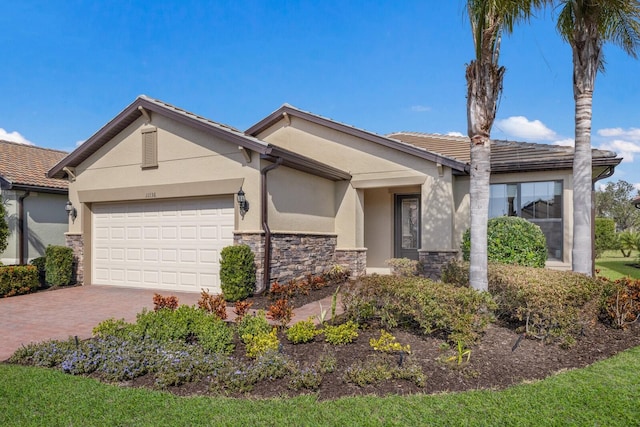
x=70 y=66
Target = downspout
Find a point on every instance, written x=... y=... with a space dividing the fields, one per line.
x=264 y=216
x=605 y=174
x=21 y=227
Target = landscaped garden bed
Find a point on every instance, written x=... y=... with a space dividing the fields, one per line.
x=437 y=337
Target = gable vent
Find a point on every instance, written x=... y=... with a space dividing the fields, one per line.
x=149 y=147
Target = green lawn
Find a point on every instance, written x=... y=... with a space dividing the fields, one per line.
x=605 y=393
x=614 y=266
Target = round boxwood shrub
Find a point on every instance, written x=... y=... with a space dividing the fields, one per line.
x=512 y=240
x=237 y=272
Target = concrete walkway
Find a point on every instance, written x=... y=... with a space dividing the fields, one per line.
x=62 y=313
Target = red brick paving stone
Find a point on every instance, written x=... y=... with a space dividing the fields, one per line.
x=75 y=311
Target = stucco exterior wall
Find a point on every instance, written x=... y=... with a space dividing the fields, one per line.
x=378 y=226
x=46 y=222
x=190 y=163
x=300 y=202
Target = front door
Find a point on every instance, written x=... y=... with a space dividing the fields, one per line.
x=407 y=226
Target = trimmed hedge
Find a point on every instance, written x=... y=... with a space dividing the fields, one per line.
x=40 y=264
x=511 y=240
x=237 y=272
x=18 y=279
x=545 y=304
x=58 y=265
x=457 y=313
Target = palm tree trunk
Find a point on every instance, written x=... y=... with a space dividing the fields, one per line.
x=479 y=202
x=484 y=84
x=582 y=261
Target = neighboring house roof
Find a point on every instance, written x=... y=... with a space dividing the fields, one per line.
x=24 y=167
x=507 y=156
x=288 y=110
x=636 y=202
x=145 y=105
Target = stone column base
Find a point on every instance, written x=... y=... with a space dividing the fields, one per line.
x=432 y=262
x=75 y=242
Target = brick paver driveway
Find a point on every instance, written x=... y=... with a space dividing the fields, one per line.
x=69 y=312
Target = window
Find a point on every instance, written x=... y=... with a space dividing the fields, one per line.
x=149 y=147
x=538 y=202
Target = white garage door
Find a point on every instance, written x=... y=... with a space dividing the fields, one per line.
x=171 y=245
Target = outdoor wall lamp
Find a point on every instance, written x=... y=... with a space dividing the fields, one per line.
x=242 y=203
x=71 y=211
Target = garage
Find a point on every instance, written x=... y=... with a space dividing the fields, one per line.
x=165 y=244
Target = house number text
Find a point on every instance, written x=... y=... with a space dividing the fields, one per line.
x=151 y=195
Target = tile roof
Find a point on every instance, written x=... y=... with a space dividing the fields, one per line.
x=506 y=156
x=636 y=202
x=24 y=165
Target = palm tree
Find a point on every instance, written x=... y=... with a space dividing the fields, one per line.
x=586 y=25
x=489 y=18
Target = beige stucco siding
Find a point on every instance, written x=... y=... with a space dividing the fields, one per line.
x=438 y=212
x=300 y=202
x=190 y=163
x=46 y=222
x=378 y=226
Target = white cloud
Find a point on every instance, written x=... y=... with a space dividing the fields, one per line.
x=14 y=137
x=626 y=149
x=631 y=133
x=637 y=186
x=420 y=108
x=522 y=128
x=454 y=134
x=79 y=143
x=567 y=142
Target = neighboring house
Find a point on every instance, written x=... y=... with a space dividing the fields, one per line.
x=636 y=202
x=33 y=202
x=157 y=193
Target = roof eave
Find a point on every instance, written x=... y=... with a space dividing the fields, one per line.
x=305 y=164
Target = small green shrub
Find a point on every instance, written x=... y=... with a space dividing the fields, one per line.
x=58 y=265
x=186 y=324
x=302 y=332
x=113 y=327
x=387 y=343
x=40 y=264
x=341 y=334
x=404 y=267
x=605 y=235
x=237 y=272
x=457 y=313
x=260 y=344
x=512 y=240
x=253 y=324
x=621 y=302
x=18 y=280
x=382 y=368
x=4 y=227
x=547 y=304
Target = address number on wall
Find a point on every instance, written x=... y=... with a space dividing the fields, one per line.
x=151 y=195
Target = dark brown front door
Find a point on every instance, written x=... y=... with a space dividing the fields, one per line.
x=407 y=226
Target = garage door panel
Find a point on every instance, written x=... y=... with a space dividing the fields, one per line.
x=172 y=245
